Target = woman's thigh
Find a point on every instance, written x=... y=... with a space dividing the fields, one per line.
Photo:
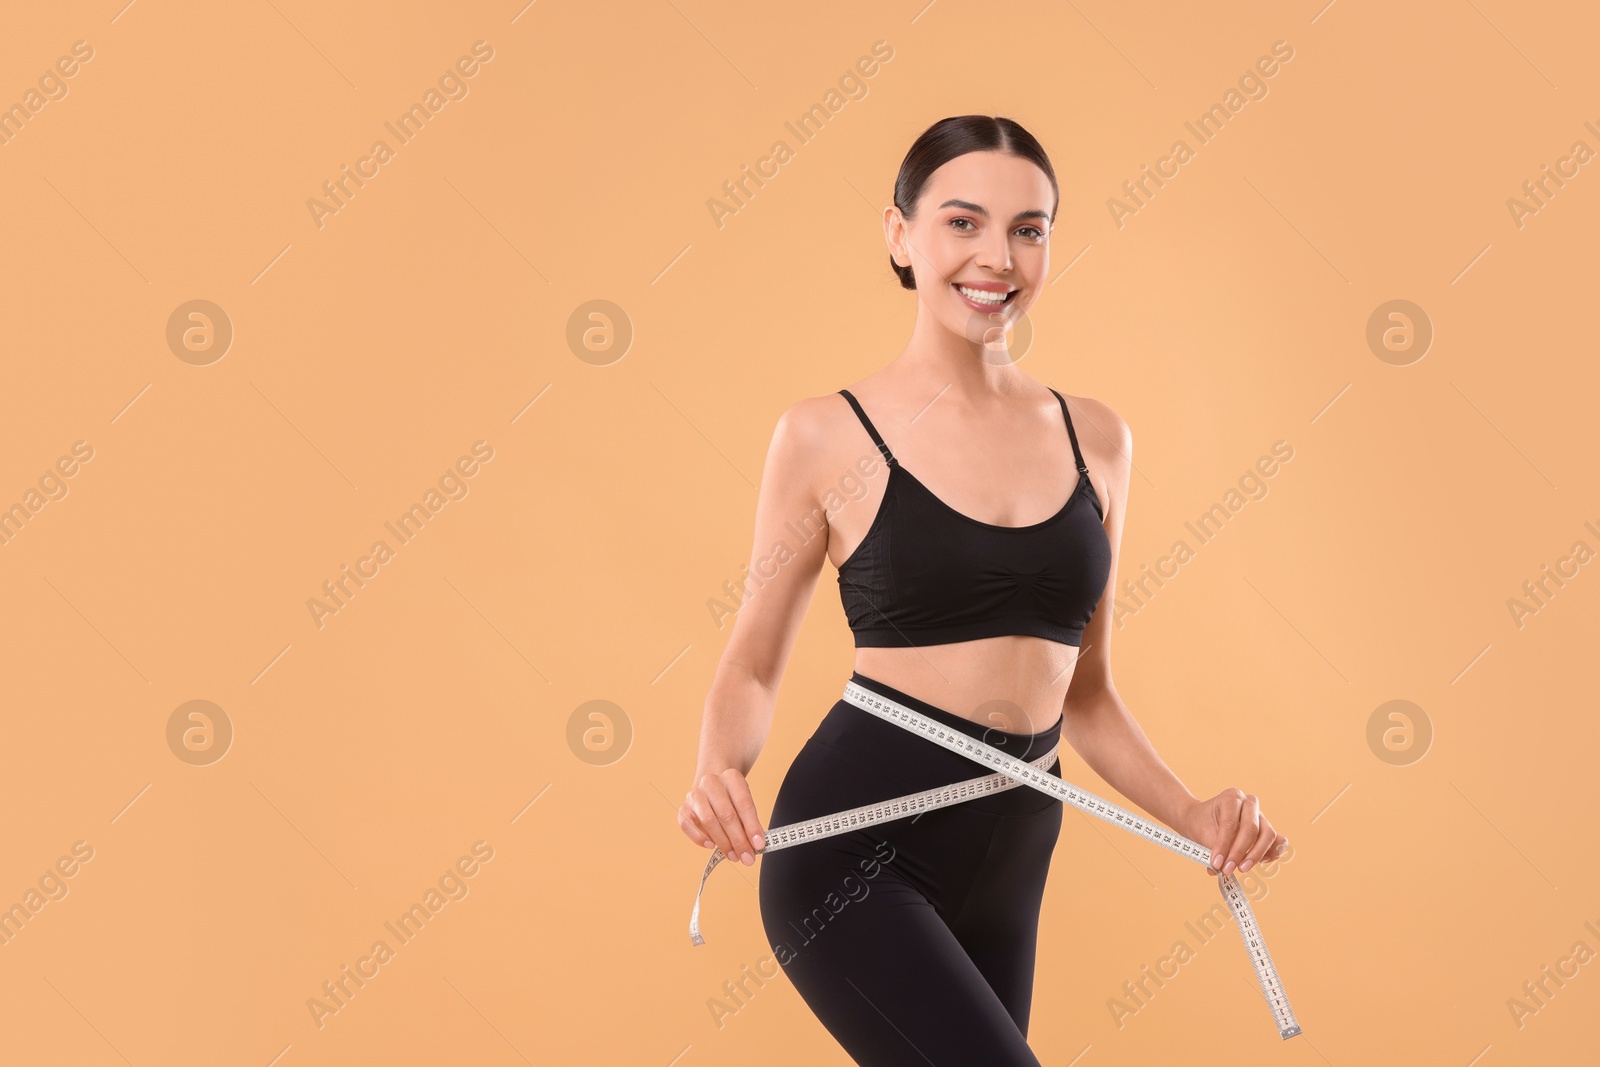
x=912 y=941
x=998 y=921
x=877 y=963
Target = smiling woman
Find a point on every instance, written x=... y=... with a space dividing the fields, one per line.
x=975 y=590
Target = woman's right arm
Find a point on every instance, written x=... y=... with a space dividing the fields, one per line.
x=718 y=811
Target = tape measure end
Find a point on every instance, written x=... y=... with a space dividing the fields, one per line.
x=1287 y=1034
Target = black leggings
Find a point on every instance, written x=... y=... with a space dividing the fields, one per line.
x=912 y=940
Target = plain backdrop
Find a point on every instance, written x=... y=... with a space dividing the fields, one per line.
x=542 y=271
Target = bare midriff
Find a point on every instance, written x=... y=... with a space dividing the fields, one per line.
x=1013 y=683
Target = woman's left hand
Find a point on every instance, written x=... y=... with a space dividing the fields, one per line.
x=1231 y=825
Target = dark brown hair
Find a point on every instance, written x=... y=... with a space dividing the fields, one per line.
x=956 y=136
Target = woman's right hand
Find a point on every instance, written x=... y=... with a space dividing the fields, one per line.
x=720 y=813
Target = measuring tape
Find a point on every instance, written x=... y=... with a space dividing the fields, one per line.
x=1015 y=772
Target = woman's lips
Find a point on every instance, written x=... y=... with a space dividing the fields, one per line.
x=976 y=306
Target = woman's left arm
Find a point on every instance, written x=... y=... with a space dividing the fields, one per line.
x=1101 y=729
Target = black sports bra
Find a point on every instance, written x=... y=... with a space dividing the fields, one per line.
x=925 y=574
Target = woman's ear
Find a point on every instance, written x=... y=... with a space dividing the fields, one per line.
x=894 y=235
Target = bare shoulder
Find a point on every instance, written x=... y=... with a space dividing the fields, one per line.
x=813 y=436
x=1107 y=433
x=814 y=421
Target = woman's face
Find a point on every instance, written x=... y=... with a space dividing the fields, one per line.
x=981 y=223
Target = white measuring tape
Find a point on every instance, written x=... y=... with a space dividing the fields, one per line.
x=1015 y=772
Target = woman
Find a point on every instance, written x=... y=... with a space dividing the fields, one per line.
x=973 y=594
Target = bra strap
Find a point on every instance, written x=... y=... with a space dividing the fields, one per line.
x=1071 y=432
x=873 y=430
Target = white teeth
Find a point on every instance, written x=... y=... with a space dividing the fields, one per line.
x=982 y=296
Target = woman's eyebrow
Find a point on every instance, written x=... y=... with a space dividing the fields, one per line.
x=1018 y=217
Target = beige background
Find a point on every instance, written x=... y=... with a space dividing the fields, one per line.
x=434 y=709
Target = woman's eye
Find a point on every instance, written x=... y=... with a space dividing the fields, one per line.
x=962 y=223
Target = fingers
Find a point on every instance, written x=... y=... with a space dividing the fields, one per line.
x=724 y=812
x=694 y=816
x=1246 y=828
x=708 y=795
x=691 y=826
x=1246 y=837
x=1258 y=851
x=689 y=821
x=1230 y=803
x=746 y=825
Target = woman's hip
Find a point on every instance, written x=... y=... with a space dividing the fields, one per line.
x=993 y=847
x=855 y=758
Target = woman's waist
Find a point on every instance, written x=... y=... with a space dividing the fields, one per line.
x=856 y=758
x=1015 y=695
x=907 y=756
